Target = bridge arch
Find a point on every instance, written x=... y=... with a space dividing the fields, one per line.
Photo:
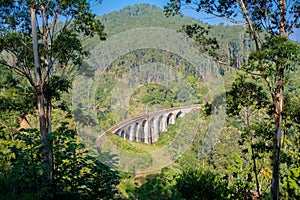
x=171 y=118
x=179 y=114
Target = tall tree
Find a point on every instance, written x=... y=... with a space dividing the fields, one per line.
x=40 y=40
x=277 y=18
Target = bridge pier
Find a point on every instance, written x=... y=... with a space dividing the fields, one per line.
x=163 y=124
x=145 y=131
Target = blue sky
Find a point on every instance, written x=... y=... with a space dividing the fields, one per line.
x=108 y=6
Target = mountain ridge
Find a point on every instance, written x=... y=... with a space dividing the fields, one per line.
x=233 y=40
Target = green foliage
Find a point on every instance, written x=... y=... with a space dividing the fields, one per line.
x=290 y=152
x=124 y=145
x=12 y=87
x=245 y=92
x=200 y=35
x=103 y=102
x=291 y=184
x=68 y=48
x=55 y=87
x=227 y=157
x=16 y=16
x=40 y=41
x=65 y=52
x=168 y=136
x=140 y=15
x=264 y=16
x=203 y=184
x=79 y=171
x=13 y=109
x=129 y=157
x=232 y=40
x=78 y=174
x=160 y=89
x=176 y=183
x=199 y=184
x=161 y=186
x=152 y=94
x=276 y=53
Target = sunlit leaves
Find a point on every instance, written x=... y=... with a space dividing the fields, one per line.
x=245 y=93
x=152 y=94
x=275 y=53
x=88 y=25
x=200 y=184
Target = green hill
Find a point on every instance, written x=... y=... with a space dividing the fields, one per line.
x=188 y=86
x=233 y=39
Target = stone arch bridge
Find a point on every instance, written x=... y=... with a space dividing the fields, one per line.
x=147 y=128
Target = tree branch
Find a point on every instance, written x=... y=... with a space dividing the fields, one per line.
x=19 y=71
x=293 y=25
x=283 y=23
x=249 y=24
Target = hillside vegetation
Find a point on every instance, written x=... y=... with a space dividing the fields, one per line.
x=221 y=151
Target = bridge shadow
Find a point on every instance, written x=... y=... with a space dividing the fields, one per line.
x=107 y=158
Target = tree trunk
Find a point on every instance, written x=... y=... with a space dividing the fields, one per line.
x=253 y=157
x=46 y=145
x=254 y=166
x=278 y=103
x=48 y=115
x=35 y=46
